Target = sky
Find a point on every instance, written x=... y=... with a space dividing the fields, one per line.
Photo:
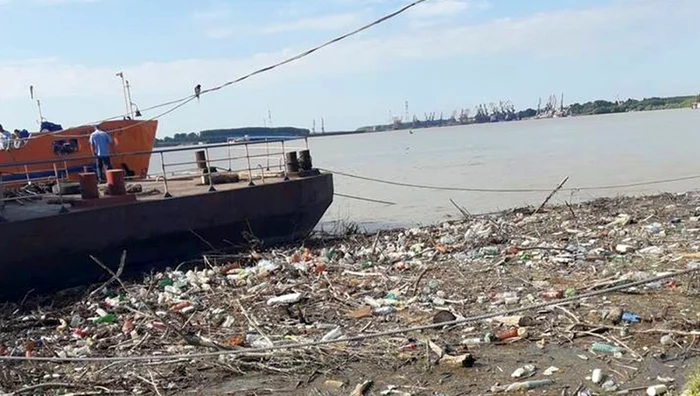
x=441 y=56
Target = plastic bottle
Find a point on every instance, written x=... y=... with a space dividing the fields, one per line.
x=180 y=306
x=384 y=311
x=109 y=318
x=165 y=282
x=318 y=269
x=472 y=341
x=511 y=300
x=433 y=284
x=657 y=390
x=504 y=297
x=158 y=325
x=75 y=321
x=522 y=371
x=610 y=386
x=79 y=333
x=606 y=348
x=285 y=299
x=630 y=317
x=489 y=251
x=128 y=326
x=551 y=294
x=597 y=376
x=527 y=385
x=333 y=334
x=504 y=335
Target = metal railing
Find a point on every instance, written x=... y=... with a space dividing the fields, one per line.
x=252 y=158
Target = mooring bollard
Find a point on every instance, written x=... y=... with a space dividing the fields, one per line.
x=88 y=185
x=292 y=162
x=201 y=158
x=305 y=160
x=115 y=182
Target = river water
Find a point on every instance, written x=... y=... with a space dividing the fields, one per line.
x=538 y=154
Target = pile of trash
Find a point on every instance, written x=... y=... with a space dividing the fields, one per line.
x=241 y=314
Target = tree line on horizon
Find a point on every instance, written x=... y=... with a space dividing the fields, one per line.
x=646 y=104
x=222 y=135
x=482 y=115
x=553 y=108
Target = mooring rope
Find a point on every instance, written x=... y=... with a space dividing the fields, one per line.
x=507 y=190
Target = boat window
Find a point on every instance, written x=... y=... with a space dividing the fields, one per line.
x=64 y=147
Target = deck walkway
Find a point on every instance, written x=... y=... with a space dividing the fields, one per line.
x=152 y=189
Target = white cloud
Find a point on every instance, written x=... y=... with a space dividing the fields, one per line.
x=219 y=25
x=217 y=12
x=332 y=22
x=61 y=2
x=45 y=3
x=219 y=32
x=439 y=8
x=583 y=33
x=327 y=22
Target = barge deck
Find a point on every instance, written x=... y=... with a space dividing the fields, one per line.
x=48 y=240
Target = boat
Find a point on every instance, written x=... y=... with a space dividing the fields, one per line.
x=66 y=153
x=248 y=138
x=51 y=241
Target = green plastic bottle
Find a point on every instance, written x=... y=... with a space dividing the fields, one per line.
x=165 y=282
x=109 y=318
x=606 y=348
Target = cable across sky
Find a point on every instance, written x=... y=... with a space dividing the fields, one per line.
x=178 y=103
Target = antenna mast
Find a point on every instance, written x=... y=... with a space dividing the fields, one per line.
x=126 y=95
x=38 y=104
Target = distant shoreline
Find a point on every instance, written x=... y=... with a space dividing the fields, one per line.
x=598 y=107
x=486 y=123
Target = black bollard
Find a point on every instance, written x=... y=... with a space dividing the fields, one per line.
x=292 y=162
x=201 y=158
x=305 y=160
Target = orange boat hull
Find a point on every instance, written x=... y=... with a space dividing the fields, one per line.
x=68 y=152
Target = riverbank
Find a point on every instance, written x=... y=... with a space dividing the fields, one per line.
x=599 y=107
x=361 y=285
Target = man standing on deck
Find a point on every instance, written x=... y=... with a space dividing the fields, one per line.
x=100 y=142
